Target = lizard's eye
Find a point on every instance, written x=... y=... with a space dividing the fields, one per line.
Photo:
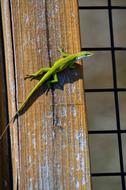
x=86 y=54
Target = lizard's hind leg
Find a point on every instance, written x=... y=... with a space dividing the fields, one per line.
x=37 y=74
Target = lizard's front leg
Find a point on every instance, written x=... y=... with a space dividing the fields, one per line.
x=55 y=80
x=72 y=65
x=36 y=74
x=62 y=52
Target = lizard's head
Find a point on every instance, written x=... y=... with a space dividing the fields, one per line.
x=83 y=54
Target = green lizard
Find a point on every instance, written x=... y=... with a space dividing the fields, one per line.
x=67 y=60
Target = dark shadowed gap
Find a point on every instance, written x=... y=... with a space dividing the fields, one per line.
x=4 y=89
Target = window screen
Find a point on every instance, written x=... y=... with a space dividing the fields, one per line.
x=103 y=31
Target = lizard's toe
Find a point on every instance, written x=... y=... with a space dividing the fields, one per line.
x=31 y=77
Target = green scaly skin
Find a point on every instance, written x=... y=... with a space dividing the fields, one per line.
x=67 y=60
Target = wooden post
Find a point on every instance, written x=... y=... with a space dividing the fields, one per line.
x=49 y=140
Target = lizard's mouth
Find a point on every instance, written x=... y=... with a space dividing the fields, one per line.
x=84 y=56
x=81 y=57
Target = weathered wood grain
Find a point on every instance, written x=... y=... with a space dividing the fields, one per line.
x=49 y=140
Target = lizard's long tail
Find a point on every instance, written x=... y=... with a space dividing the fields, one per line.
x=7 y=126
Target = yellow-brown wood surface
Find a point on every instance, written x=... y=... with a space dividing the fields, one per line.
x=49 y=140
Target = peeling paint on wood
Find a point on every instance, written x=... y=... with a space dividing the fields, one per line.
x=50 y=149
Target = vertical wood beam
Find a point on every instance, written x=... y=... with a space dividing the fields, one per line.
x=49 y=140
